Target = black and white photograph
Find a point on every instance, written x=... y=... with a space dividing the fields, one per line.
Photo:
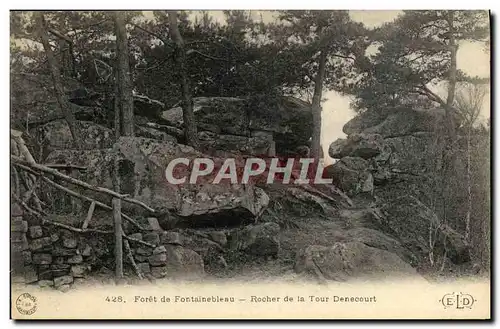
x=250 y=164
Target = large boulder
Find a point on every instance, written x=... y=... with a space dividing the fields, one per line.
x=362 y=217
x=351 y=175
x=33 y=100
x=362 y=121
x=352 y=260
x=413 y=154
x=149 y=132
x=142 y=165
x=258 y=240
x=288 y=118
x=365 y=146
x=228 y=113
x=336 y=149
x=377 y=239
x=56 y=135
x=259 y=145
x=147 y=107
x=183 y=262
x=400 y=122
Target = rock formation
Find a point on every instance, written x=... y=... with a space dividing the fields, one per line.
x=385 y=163
x=370 y=221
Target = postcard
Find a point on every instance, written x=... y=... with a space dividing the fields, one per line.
x=239 y=164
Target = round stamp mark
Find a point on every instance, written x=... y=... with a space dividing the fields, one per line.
x=26 y=304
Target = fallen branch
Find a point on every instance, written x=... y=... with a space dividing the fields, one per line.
x=17 y=187
x=190 y=51
x=79 y=230
x=402 y=172
x=97 y=203
x=27 y=195
x=78 y=195
x=16 y=135
x=65 y=166
x=23 y=149
x=78 y=182
x=131 y=259
x=25 y=206
x=139 y=241
x=89 y=215
x=27 y=169
x=312 y=190
x=27 y=181
x=74 y=229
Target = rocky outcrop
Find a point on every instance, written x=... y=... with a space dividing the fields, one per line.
x=56 y=135
x=33 y=100
x=258 y=145
x=249 y=126
x=33 y=104
x=199 y=226
x=390 y=155
x=365 y=146
x=393 y=123
x=142 y=173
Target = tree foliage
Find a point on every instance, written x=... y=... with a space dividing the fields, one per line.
x=413 y=56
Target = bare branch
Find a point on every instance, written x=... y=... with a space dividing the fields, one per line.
x=65 y=166
x=343 y=56
x=78 y=182
x=190 y=51
x=25 y=206
x=434 y=97
x=60 y=35
x=89 y=215
x=157 y=36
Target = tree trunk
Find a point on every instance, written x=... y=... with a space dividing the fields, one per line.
x=121 y=69
x=123 y=73
x=118 y=238
x=116 y=105
x=190 y=130
x=56 y=78
x=469 y=187
x=452 y=78
x=316 y=107
x=68 y=68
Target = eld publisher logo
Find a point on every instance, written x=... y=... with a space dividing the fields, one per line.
x=458 y=300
